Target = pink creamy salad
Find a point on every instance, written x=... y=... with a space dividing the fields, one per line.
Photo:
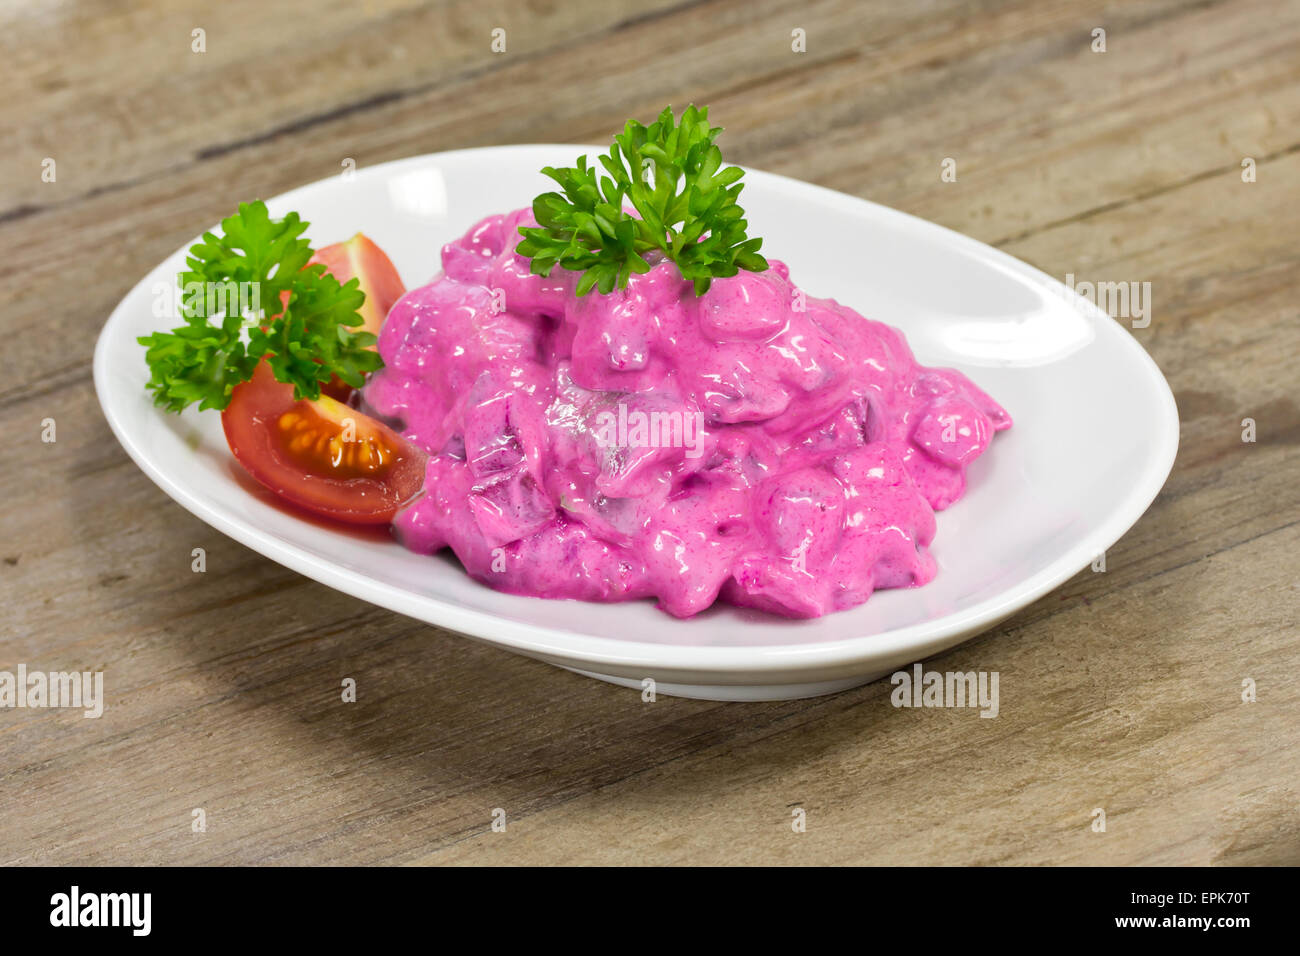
x=754 y=444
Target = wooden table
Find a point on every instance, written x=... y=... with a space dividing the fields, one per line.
x=1120 y=691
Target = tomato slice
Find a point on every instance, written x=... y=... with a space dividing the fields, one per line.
x=360 y=257
x=321 y=455
x=380 y=281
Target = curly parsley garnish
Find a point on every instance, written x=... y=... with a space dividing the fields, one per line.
x=698 y=226
x=257 y=265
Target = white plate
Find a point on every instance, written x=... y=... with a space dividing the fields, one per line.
x=1095 y=434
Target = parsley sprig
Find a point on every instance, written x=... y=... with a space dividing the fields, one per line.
x=308 y=341
x=688 y=214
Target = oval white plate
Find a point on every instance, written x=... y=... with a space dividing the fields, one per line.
x=1096 y=430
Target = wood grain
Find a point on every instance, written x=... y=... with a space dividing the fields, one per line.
x=1121 y=690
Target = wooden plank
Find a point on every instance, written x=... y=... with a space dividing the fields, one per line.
x=1120 y=690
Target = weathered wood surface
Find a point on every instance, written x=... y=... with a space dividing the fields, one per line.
x=1121 y=690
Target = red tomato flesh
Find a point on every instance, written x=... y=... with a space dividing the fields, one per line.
x=321 y=455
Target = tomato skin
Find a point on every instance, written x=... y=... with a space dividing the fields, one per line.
x=285 y=444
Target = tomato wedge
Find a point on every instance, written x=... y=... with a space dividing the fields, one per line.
x=321 y=455
x=360 y=257
x=380 y=281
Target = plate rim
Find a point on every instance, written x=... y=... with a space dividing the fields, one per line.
x=720 y=661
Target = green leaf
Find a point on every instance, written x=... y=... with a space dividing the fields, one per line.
x=689 y=214
x=307 y=339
